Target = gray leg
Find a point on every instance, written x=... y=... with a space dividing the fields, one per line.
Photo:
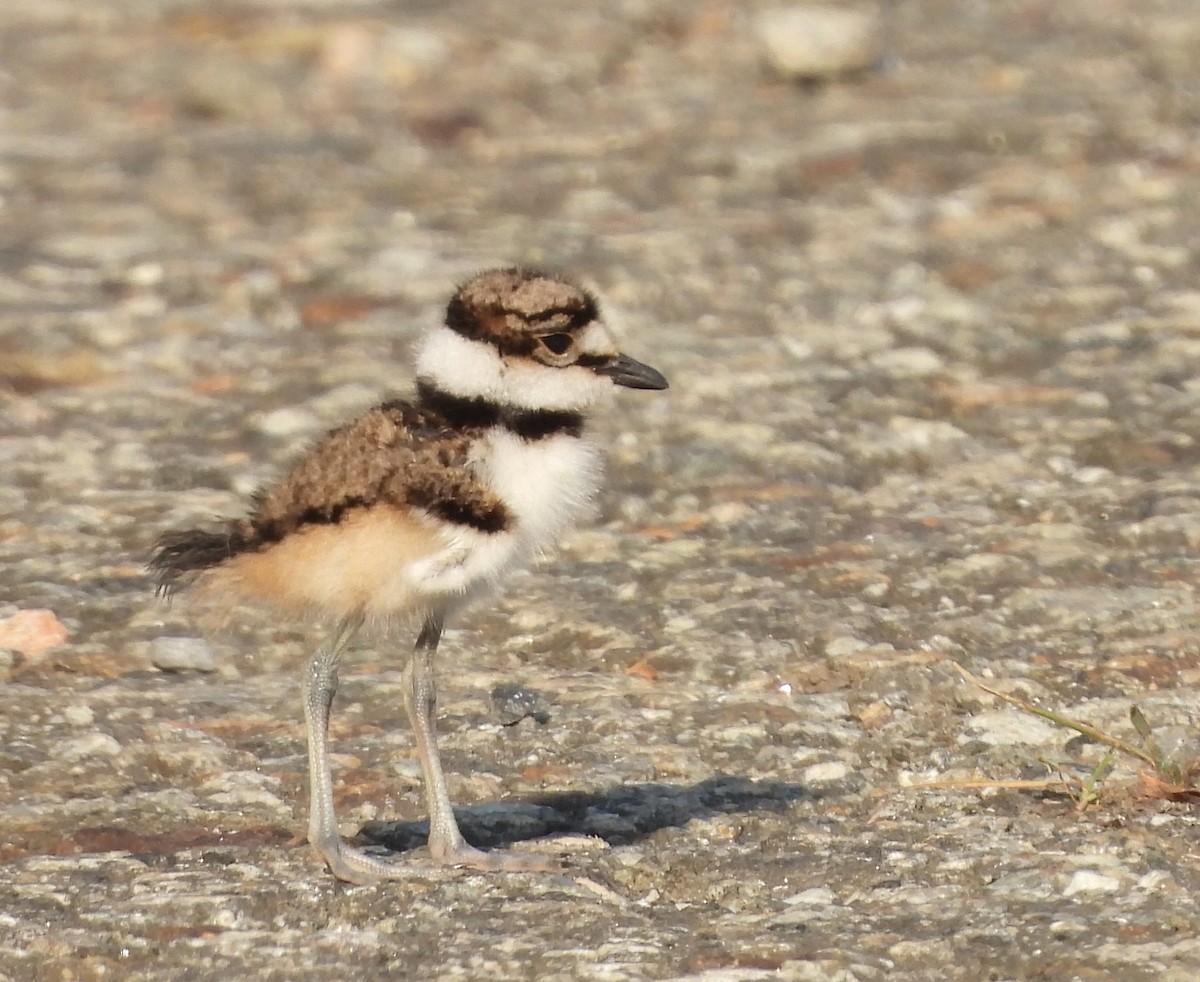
x=320 y=684
x=446 y=843
x=420 y=699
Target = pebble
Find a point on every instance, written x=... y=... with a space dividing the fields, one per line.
x=79 y=715
x=828 y=772
x=512 y=703
x=812 y=897
x=1089 y=881
x=399 y=56
x=171 y=654
x=810 y=41
x=249 y=797
x=88 y=745
x=32 y=632
x=1003 y=727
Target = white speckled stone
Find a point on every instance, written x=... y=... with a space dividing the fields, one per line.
x=88 y=745
x=826 y=772
x=813 y=41
x=183 y=655
x=1089 y=881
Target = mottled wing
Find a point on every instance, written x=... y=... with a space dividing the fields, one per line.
x=394 y=455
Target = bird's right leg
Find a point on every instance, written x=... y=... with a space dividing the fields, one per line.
x=320 y=684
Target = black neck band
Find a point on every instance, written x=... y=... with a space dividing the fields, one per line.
x=476 y=412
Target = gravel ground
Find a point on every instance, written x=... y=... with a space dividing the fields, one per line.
x=932 y=331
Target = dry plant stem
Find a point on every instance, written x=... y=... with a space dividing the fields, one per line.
x=1071 y=724
x=983 y=784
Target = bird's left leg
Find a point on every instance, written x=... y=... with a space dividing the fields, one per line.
x=446 y=843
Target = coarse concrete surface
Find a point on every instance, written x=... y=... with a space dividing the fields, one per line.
x=932 y=330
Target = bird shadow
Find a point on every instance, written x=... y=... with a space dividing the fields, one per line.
x=620 y=815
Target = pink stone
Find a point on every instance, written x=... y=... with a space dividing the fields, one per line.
x=31 y=632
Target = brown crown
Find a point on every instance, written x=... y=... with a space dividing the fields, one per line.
x=509 y=308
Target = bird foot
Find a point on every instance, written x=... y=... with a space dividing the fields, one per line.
x=352 y=865
x=497 y=861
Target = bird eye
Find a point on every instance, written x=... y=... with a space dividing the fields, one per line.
x=558 y=344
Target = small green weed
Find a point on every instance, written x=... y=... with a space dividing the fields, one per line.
x=1162 y=776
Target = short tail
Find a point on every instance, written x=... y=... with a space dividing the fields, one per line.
x=180 y=556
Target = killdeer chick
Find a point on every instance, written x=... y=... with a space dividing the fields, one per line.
x=417 y=507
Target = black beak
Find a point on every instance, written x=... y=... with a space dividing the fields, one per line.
x=631 y=373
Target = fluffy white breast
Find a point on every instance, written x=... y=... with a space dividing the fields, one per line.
x=547 y=484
